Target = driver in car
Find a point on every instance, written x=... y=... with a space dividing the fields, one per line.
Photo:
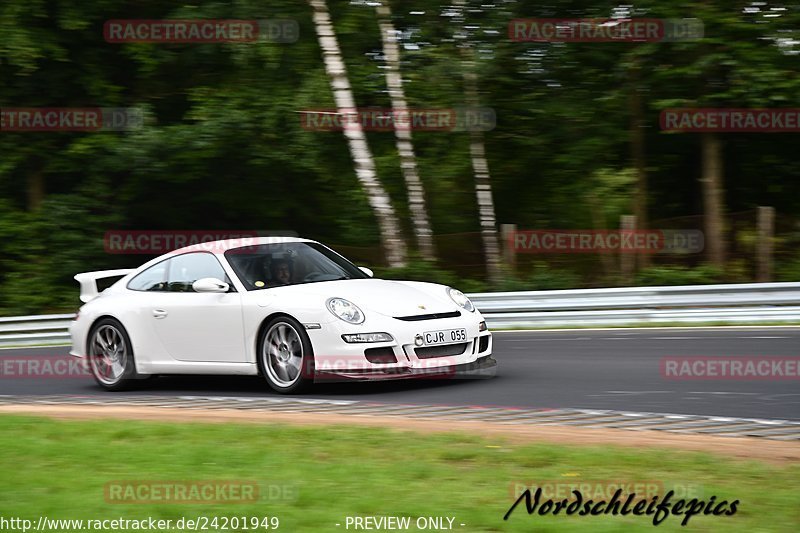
x=281 y=270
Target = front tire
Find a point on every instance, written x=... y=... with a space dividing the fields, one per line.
x=110 y=356
x=285 y=356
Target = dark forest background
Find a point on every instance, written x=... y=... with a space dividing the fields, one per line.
x=222 y=148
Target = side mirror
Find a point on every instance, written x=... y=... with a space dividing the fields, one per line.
x=367 y=271
x=210 y=285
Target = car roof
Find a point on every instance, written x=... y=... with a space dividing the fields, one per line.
x=229 y=244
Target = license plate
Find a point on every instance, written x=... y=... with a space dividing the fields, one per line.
x=445 y=336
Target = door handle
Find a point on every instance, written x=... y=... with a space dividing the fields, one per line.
x=159 y=313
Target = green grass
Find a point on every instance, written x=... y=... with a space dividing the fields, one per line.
x=59 y=469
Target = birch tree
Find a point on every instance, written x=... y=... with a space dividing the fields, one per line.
x=477 y=150
x=638 y=151
x=405 y=147
x=388 y=224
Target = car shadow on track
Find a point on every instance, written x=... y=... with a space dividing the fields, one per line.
x=256 y=386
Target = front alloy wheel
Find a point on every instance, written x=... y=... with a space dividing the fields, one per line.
x=285 y=356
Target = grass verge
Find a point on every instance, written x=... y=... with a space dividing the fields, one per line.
x=59 y=469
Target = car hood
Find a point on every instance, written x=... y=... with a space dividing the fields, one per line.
x=385 y=297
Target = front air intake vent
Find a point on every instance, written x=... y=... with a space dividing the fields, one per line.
x=380 y=355
x=484 y=343
x=445 y=350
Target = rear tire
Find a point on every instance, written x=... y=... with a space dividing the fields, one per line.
x=285 y=356
x=110 y=356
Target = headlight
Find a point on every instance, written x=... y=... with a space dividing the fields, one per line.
x=460 y=299
x=345 y=310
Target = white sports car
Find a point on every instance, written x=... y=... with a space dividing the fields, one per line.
x=290 y=309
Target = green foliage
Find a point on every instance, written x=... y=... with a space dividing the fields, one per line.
x=543 y=277
x=540 y=277
x=42 y=251
x=658 y=276
x=420 y=270
x=789 y=270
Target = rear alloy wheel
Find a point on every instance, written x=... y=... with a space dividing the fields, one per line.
x=285 y=357
x=111 y=356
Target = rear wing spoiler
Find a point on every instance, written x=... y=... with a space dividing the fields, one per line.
x=88 y=281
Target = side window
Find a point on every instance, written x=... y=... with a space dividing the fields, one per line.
x=152 y=279
x=187 y=268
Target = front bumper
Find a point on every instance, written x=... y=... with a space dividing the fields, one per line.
x=336 y=360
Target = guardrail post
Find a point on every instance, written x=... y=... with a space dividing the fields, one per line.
x=627 y=259
x=764 y=246
x=606 y=260
x=509 y=254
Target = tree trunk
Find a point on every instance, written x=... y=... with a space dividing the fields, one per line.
x=389 y=227
x=483 y=193
x=405 y=148
x=713 y=199
x=480 y=166
x=638 y=155
x=35 y=190
x=598 y=221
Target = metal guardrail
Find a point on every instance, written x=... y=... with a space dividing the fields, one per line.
x=749 y=303
x=34 y=330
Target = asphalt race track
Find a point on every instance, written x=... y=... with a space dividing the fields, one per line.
x=614 y=369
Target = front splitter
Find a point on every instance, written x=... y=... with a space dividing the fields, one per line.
x=483 y=368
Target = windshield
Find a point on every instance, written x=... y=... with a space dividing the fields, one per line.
x=277 y=265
